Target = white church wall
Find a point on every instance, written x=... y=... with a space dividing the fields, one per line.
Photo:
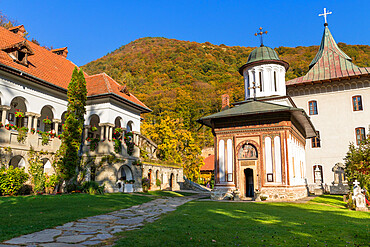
x=336 y=122
x=221 y=160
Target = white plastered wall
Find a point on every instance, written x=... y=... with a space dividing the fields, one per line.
x=336 y=121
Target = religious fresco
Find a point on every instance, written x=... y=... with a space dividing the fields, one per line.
x=247 y=151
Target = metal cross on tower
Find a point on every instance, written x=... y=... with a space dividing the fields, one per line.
x=261 y=33
x=254 y=88
x=325 y=14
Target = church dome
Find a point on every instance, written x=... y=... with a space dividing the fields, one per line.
x=262 y=55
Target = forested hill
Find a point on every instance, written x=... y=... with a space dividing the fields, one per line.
x=185 y=79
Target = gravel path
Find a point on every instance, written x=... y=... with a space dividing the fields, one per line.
x=98 y=229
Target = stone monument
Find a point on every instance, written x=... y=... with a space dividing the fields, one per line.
x=358 y=197
x=339 y=186
x=318 y=188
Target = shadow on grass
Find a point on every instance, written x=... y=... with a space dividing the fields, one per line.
x=254 y=224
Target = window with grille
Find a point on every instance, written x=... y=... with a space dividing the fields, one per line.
x=357 y=103
x=316 y=141
x=312 y=106
x=360 y=135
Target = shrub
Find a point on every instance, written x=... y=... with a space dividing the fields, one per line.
x=93 y=144
x=11 y=180
x=158 y=182
x=51 y=182
x=72 y=188
x=26 y=189
x=22 y=134
x=117 y=146
x=92 y=188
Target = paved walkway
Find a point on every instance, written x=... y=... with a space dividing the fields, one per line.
x=98 y=229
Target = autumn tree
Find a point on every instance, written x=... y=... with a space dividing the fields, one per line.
x=6 y=22
x=175 y=144
x=72 y=129
x=357 y=163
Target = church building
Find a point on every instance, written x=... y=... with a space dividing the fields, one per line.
x=260 y=142
x=336 y=95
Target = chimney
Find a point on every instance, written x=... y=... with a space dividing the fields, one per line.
x=225 y=102
x=20 y=30
x=61 y=51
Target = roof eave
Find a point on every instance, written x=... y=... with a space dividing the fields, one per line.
x=121 y=99
x=32 y=78
x=247 y=65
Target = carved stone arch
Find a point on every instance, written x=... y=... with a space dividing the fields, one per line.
x=360 y=84
x=347 y=86
x=247 y=142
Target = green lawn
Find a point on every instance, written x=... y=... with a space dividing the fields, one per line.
x=25 y=214
x=206 y=223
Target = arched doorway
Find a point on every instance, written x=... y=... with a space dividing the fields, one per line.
x=249 y=183
x=17 y=161
x=125 y=174
x=150 y=178
x=248 y=162
x=171 y=181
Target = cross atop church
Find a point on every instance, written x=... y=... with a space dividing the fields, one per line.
x=260 y=32
x=254 y=88
x=325 y=14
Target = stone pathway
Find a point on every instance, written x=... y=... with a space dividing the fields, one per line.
x=98 y=229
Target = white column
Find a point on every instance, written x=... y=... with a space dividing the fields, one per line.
x=29 y=122
x=110 y=132
x=5 y=110
x=56 y=125
x=86 y=132
x=101 y=131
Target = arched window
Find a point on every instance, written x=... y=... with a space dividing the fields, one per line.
x=261 y=84
x=312 y=106
x=275 y=83
x=360 y=135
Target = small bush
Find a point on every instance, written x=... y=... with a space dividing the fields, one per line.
x=12 y=180
x=158 y=182
x=92 y=188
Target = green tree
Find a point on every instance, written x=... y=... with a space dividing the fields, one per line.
x=72 y=129
x=357 y=163
x=175 y=144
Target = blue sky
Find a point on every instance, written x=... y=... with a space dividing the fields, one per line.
x=91 y=29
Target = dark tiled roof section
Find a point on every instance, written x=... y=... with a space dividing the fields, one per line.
x=330 y=63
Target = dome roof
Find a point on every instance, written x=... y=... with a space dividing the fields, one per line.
x=261 y=54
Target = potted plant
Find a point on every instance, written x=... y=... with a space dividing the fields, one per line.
x=93 y=128
x=117 y=145
x=18 y=113
x=137 y=163
x=46 y=120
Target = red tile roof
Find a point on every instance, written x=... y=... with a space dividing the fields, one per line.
x=57 y=70
x=209 y=163
x=330 y=63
